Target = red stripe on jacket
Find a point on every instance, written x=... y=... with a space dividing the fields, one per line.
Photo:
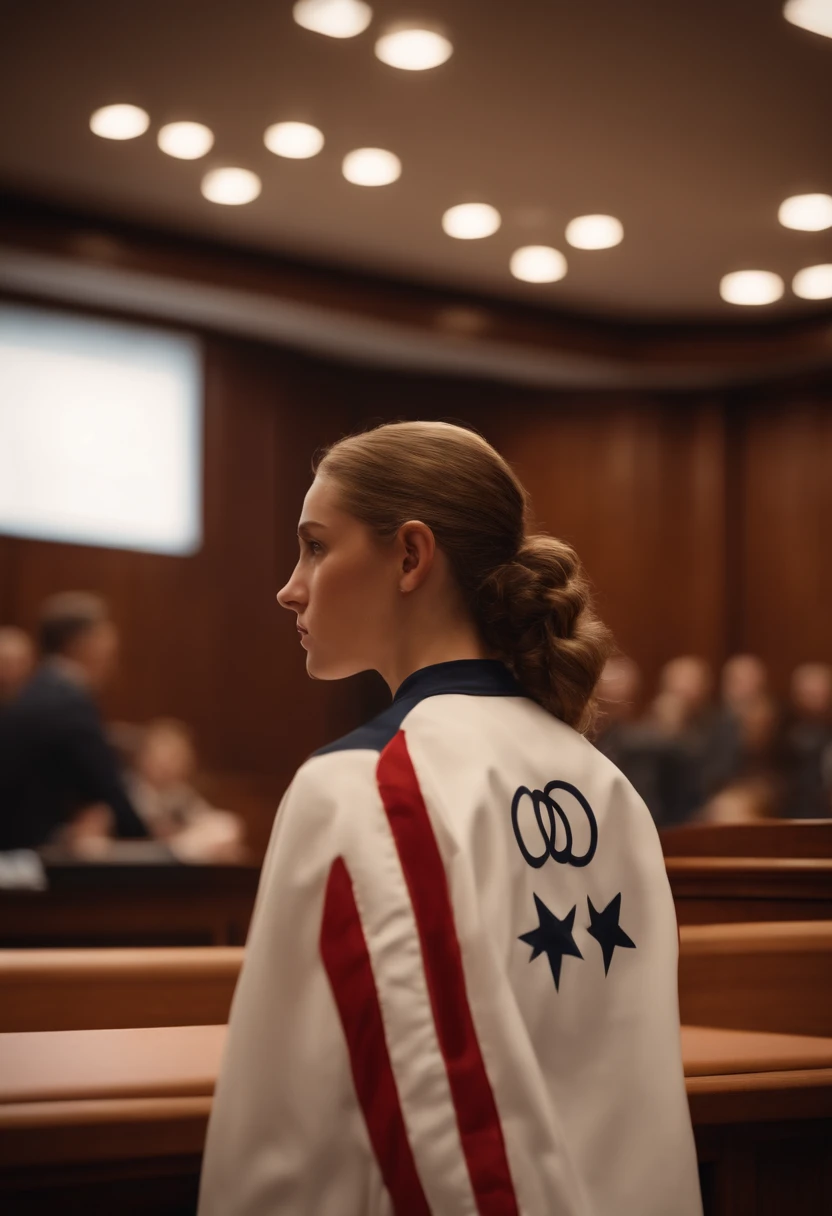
x=347 y=963
x=480 y=1129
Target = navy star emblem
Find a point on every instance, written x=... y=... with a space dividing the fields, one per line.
x=552 y=937
x=606 y=930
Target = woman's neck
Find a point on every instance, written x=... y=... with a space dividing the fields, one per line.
x=438 y=646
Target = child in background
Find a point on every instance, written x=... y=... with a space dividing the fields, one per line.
x=161 y=791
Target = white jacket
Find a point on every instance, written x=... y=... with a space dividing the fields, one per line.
x=459 y=994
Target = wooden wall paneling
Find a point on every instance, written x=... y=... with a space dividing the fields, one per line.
x=785 y=559
x=637 y=487
x=7 y=580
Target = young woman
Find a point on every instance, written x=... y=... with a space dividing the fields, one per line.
x=459 y=993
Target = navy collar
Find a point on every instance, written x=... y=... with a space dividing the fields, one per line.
x=470 y=677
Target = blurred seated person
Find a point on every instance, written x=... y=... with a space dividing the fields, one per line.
x=17 y=660
x=756 y=791
x=618 y=692
x=744 y=682
x=161 y=791
x=55 y=761
x=641 y=747
x=807 y=742
x=708 y=738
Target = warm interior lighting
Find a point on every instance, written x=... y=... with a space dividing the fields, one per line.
x=594 y=232
x=119 y=122
x=232 y=187
x=814 y=283
x=813 y=15
x=371 y=167
x=185 y=140
x=335 y=18
x=297 y=140
x=413 y=50
x=471 y=221
x=806 y=212
x=751 y=287
x=538 y=264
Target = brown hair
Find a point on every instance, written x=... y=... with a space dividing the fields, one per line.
x=527 y=592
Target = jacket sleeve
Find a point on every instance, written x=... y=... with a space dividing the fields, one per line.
x=95 y=768
x=345 y=1090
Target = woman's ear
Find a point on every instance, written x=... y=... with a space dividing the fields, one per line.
x=418 y=546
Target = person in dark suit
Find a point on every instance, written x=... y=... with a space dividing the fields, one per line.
x=55 y=761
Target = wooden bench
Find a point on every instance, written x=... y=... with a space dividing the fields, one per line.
x=104 y=1120
x=98 y=989
x=775 y=976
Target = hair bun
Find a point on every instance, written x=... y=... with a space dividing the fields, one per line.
x=536 y=611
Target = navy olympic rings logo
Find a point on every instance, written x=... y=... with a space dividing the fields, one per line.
x=548 y=815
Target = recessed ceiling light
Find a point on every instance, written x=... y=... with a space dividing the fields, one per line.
x=185 y=140
x=233 y=187
x=413 y=50
x=119 y=122
x=297 y=140
x=538 y=264
x=814 y=283
x=806 y=212
x=335 y=18
x=594 y=232
x=813 y=15
x=371 y=167
x=751 y=287
x=471 y=221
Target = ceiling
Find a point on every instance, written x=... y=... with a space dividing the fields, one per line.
x=690 y=122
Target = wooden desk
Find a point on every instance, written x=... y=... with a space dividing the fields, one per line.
x=114 y=1119
x=132 y=905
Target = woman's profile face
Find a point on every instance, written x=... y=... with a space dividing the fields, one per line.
x=343 y=589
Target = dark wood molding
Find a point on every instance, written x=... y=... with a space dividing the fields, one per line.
x=53 y=253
